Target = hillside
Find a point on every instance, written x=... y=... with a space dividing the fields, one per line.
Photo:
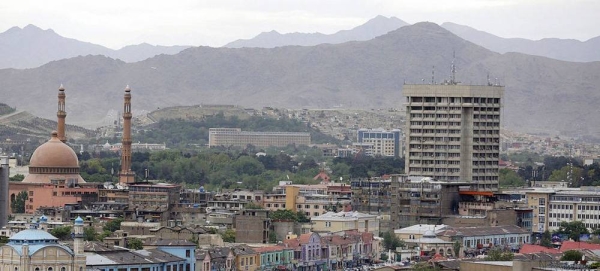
x=541 y=94
x=377 y=26
x=32 y=47
x=561 y=49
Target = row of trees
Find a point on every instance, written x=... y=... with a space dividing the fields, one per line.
x=235 y=169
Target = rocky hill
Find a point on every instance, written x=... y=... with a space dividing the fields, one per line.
x=541 y=94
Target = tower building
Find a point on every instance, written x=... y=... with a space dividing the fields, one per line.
x=453 y=133
x=61 y=114
x=126 y=176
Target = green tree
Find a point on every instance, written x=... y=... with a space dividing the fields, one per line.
x=573 y=229
x=62 y=233
x=391 y=241
x=562 y=175
x=456 y=246
x=571 y=255
x=497 y=254
x=3 y=240
x=301 y=217
x=508 y=178
x=135 y=244
x=546 y=239
x=228 y=236
x=113 y=225
x=283 y=214
x=17 y=206
x=17 y=178
x=272 y=237
x=90 y=234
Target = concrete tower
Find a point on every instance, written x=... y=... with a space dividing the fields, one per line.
x=126 y=176
x=453 y=133
x=61 y=114
x=78 y=236
x=3 y=191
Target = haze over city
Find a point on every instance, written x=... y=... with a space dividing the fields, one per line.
x=214 y=23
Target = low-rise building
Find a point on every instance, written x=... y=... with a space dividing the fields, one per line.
x=252 y=226
x=343 y=221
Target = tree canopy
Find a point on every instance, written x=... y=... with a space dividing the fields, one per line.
x=573 y=229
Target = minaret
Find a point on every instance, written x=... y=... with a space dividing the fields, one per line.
x=126 y=175
x=78 y=236
x=61 y=114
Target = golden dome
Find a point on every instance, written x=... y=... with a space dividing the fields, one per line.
x=54 y=154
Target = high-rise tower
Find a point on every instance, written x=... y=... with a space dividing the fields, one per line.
x=126 y=176
x=453 y=132
x=61 y=114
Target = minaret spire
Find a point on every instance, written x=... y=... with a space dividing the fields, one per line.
x=126 y=176
x=61 y=114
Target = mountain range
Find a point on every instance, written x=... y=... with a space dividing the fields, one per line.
x=542 y=94
x=373 y=28
x=31 y=47
x=561 y=49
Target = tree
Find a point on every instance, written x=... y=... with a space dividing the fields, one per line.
x=283 y=215
x=456 y=246
x=546 y=239
x=17 y=206
x=90 y=234
x=573 y=229
x=508 y=177
x=272 y=237
x=113 y=225
x=571 y=255
x=135 y=244
x=62 y=233
x=391 y=241
x=228 y=236
x=301 y=217
x=497 y=254
x=17 y=178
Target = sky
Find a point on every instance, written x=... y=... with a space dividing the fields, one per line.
x=214 y=23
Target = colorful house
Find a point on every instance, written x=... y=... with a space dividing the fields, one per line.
x=246 y=258
x=308 y=252
x=275 y=257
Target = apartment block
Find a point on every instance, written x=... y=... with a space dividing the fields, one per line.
x=382 y=142
x=453 y=133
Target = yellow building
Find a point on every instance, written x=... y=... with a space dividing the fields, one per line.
x=538 y=200
x=37 y=250
x=246 y=258
x=343 y=221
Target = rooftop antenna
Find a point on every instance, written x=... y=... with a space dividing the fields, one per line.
x=433 y=75
x=453 y=68
x=488 y=79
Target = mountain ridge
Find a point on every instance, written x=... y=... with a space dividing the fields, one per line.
x=542 y=94
x=372 y=28
x=31 y=46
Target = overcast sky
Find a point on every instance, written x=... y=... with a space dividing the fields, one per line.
x=217 y=22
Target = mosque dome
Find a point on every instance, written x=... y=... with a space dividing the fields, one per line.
x=32 y=235
x=54 y=154
x=79 y=221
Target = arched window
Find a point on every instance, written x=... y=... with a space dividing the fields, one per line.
x=50 y=269
x=16 y=268
x=63 y=269
x=37 y=269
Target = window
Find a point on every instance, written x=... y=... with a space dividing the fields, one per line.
x=187 y=253
x=327 y=224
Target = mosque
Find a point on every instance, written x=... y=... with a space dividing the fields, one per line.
x=38 y=250
x=54 y=179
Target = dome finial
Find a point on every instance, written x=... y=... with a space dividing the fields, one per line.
x=127 y=89
x=61 y=88
x=54 y=134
